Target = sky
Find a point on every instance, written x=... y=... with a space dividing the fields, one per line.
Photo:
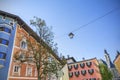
x=66 y=16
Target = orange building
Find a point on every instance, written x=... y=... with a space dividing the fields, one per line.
x=117 y=62
x=14 y=35
x=84 y=70
x=21 y=71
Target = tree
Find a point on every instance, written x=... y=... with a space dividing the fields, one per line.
x=105 y=72
x=40 y=53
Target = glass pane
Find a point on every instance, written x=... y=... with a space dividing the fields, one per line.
x=4 y=42
x=0 y=40
x=7 y=30
x=16 y=69
x=2 y=55
x=23 y=45
x=1 y=28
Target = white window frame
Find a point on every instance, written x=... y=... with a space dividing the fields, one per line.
x=18 y=70
x=27 y=73
x=23 y=40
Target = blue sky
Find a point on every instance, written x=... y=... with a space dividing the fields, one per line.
x=68 y=15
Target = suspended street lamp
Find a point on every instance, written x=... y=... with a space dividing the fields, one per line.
x=71 y=35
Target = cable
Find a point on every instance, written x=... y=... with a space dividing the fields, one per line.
x=94 y=20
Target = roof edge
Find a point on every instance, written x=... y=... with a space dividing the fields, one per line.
x=29 y=30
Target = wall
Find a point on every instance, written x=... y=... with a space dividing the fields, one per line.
x=117 y=64
x=7 y=49
x=94 y=65
x=65 y=75
x=20 y=35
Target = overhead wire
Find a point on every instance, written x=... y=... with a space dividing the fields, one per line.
x=92 y=21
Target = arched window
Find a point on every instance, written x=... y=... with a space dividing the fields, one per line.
x=89 y=64
x=91 y=71
x=83 y=72
x=70 y=74
x=82 y=65
x=23 y=44
x=76 y=66
x=70 y=67
x=77 y=73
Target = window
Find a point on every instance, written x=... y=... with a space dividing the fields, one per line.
x=3 y=41
x=84 y=79
x=22 y=56
x=91 y=71
x=89 y=64
x=70 y=67
x=1 y=29
x=92 y=79
x=30 y=58
x=76 y=66
x=23 y=44
x=70 y=74
x=83 y=72
x=82 y=65
x=16 y=68
x=11 y=23
x=2 y=55
x=29 y=71
x=77 y=73
x=5 y=29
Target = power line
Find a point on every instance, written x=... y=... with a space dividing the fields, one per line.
x=94 y=20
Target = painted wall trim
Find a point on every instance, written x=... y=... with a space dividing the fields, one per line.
x=12 y=52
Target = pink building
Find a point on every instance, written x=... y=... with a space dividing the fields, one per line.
x=83 y=70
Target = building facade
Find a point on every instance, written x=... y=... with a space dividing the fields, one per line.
x=117 y=62
x=111 y=66
x=14 y=33
x=84 y=70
